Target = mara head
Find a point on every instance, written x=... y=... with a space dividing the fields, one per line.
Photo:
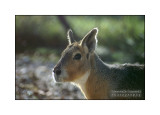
x=75 y=59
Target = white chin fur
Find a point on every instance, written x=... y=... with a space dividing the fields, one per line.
x=60 y=77
x=53 y=76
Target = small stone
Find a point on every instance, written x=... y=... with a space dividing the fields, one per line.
x=41 y=92
x=49 y=93
x=23 y=70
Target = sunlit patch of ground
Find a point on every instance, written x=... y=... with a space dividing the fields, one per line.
x=34 y=80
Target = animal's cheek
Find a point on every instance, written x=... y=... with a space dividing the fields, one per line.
x=71 y=72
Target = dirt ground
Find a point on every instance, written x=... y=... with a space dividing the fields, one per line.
x=34 y=80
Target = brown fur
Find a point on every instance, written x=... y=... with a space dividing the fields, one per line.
x=72 y=67
x=76 y=71
x=101 y=78
x=98 y=91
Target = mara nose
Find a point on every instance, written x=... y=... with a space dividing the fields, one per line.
x=57 y=71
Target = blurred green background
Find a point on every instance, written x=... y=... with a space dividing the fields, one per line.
x=120 y=38
x=41 y=39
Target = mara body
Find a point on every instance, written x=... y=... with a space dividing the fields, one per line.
x=81 y=65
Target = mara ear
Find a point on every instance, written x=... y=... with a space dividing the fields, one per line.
x=70 y=36
x=90 y=40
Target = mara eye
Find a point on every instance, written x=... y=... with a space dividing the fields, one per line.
x=77 y=56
